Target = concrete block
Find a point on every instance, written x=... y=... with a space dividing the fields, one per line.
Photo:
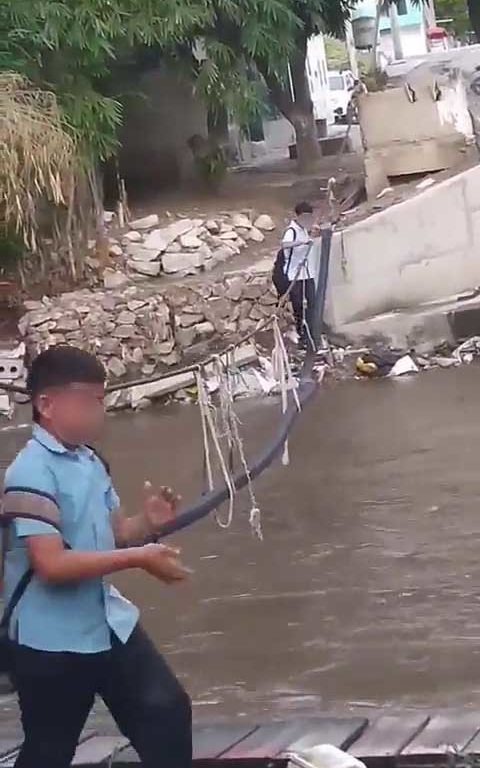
x=471 y=182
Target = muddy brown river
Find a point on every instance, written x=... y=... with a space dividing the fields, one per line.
x=365 y=589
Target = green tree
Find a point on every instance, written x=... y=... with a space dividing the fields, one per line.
x=269 y=38
x=70 y=47
x=474 y=13
x=456 y=10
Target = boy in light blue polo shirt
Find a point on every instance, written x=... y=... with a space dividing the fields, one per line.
x=73 y=635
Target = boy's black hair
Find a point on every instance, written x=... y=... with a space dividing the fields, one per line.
x=303 y=207
x=60 y=366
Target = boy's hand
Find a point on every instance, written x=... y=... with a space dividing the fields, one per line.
x=159 y=506
x=163 y=563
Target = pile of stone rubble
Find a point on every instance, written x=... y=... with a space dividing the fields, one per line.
x=139 y=329
x=185 y=246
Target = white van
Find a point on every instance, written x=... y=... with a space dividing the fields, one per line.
x=340 y=86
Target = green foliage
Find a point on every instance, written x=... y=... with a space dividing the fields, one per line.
x=336 y=52
x=71 y=47
x=456 y=10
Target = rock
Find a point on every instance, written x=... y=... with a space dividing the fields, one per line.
x=108 y=217
x=223 y=254
x=229 y=235
x=68 y=324
x=444 y=362
x=132 y=237
x=185 y=336
x=126 y=318
x=137 y=356
x=147 y=222
x=182 y=262
x=116 y=367
x=187 y=320
x=135 y=304
x=36 y=319
x=265 y=223
x=190 y=241
x=163 y=348
x=174 y=248
x=235 y=287
x=124 y=332
x=115 y=250
x=139 y=253
x=205 y=251
x=147 y=268
x=172 y=359
x=268 y=298
x=212 y=226
x=241 y=220
x=220 y=307
x=109 y=346
x=256 y=235
x=205 y=329
x=253 y=291
x=162 y=238
x=109 y=303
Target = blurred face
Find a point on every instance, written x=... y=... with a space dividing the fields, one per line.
x=74 y=413
x=306 y=220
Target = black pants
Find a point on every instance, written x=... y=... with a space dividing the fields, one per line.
x=56 y=692
x=302 y=297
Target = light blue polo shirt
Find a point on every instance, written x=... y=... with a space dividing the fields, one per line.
x=73 y=489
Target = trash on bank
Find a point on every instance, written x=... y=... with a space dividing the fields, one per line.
x=406 y=364
x=323 y=756
x=385 y=362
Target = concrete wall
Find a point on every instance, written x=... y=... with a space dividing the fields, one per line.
x=157 y=127
x=414 y=41
x=424 y=249
x=425 y=135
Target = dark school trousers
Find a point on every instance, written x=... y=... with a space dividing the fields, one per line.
x=56 y=692
x=302 y=297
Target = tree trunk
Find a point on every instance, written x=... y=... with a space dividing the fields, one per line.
x=302 y=117
x=474 y=13
x=396 y=32
x=378 y=14
x=297 y=107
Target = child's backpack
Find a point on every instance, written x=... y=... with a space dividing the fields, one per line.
x=280 y=268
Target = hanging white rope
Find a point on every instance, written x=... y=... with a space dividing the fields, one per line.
x=236 y=443
x=210 y=434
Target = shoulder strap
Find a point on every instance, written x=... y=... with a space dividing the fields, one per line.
x=287 y=265
x=17 y=595
x=25 y=580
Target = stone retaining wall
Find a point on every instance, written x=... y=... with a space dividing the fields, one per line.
x=140 y=329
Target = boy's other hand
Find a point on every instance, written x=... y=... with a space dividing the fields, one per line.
x=159 y=506
x=163 y=563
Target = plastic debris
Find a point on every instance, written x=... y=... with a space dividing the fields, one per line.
x=406 y=364
x=324 y=756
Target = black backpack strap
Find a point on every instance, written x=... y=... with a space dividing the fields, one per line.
x=101 y=458
x=17 y=595
x=287 y=265
x=25 y=580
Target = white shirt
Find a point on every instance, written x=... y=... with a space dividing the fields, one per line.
x=294 y=256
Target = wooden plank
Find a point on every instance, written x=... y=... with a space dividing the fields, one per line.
x=341 y=732
x=99 y=749
x=9 y=761
x=473 y=746
x=9 y=745
x=389 y=735
x=444 y=732
x=211 y=741
x=273 y=739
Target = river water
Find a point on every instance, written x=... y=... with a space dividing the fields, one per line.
x=365 y=589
